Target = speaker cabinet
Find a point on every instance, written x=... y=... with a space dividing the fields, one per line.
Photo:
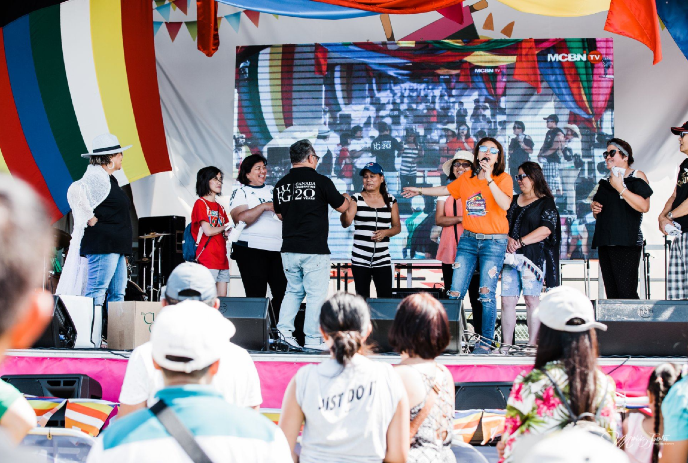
x=169 y=247
x=482 y=395
x=643 y=328
x=382 y=313
x=72 y=386
x=401 y=293
x=61 y=332
x=251 y=319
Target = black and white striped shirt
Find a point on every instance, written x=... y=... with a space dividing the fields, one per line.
x=366 y=252
x=409 y=161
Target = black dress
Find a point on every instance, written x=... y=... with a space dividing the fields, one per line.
x=619 y=238
x=544 y=254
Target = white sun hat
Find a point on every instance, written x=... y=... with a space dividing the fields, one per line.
x=106 y=143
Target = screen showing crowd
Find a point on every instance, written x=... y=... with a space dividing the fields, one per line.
x=411 y=105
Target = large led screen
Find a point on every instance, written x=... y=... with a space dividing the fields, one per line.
x=446 y=95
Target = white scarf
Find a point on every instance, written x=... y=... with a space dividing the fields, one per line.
x=83 y=196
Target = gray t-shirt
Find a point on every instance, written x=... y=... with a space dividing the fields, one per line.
x=347 y=410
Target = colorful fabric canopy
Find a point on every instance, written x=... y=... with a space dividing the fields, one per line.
x=299 y=8
x=68 y=73
x=561 y=8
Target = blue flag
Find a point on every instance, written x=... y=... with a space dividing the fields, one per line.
x=674 y=15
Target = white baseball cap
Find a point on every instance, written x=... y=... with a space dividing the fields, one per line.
x=566 y=446
x=189 y=276
x=189 y=336
x=562 y=304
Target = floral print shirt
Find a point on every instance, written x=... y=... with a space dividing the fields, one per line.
x=534 y=406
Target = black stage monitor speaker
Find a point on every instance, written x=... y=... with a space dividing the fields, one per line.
x=72 y=386
x=61 y=332
x=643 y=328
x=382 y=313
x=401 y=293
x=169 y=248
x=250 y=316
x=482 y=395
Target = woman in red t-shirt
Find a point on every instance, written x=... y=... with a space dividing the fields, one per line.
x=485 y=195
x=209 y=218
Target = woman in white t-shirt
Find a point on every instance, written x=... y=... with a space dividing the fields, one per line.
x=354 y=409
x=257 y=250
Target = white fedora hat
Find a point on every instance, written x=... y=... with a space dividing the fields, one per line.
x=106 y=143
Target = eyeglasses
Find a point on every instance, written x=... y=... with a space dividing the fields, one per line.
x=465 y=165
x=317 y=158
x=516 y=127
x=485 y=149
x=610 y=154
x=219 y=180
x=520 y=177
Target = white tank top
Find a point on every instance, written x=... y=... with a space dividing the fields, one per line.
x=347 y=410
x=637 y=443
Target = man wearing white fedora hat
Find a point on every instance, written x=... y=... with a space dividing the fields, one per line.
x=102 y=233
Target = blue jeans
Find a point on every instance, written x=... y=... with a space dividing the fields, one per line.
x=490 y=254
x=106 y=272
x=307 y=275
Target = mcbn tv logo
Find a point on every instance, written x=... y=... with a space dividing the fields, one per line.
x=594 y=57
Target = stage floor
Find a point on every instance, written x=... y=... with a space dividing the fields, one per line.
x=276 y=369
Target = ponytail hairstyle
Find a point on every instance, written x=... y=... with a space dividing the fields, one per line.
x=662 y=378
x=346 y=319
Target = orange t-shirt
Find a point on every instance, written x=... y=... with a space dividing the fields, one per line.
x=481 y=214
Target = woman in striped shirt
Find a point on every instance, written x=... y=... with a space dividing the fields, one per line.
x=375 y=215
x=409 y=159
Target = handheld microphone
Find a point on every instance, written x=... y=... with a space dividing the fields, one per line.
x=478 y=169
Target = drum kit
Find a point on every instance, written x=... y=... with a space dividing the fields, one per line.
x=151 y=264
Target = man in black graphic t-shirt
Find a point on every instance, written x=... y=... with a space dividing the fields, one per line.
x=676 y=211
x=385 y=148
x=301 y=199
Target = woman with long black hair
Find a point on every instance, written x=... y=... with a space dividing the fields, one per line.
x=532 y=259
x=375 y=215
x=485 y=194
x=565 y=384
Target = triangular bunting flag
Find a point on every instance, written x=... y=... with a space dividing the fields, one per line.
x=159 y=3
x=156 y=26
x=509 y=29
x=254 y=16
x=276 y=16
x=165 y=11
x=174 y=5
x=219 y=23
x=489 y=23
x=87 y=415
x=183 y=6
x=192 y=26
x=173 y=29
x=233 y=20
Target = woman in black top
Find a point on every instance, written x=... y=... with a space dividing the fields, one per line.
x=532 y=251
x=618 y=206
x=108 y=236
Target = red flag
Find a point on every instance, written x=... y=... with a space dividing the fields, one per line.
x=454 y=12
x=208 y=36
x=465 y=74
x=320 y=60
x=173 y=29
x=526 y=69
x=638 y=20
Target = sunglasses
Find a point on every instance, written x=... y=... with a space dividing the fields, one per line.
x=682 y=134
x=609 y=154
x=520 y=177
x=465 y=165
x=485 y=149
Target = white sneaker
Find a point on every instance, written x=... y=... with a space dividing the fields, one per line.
x=321 y=346
x=287 y=338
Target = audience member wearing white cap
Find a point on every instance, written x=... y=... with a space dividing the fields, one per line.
x=565 y=369
x=568 y=446
x=102 y=233
x=188 y=341
x=237 y=378
x=354 y=409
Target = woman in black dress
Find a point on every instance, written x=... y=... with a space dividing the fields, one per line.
x=532 y=259
x=618 y=206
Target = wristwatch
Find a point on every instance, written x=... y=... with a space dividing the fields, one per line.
x=670 y=215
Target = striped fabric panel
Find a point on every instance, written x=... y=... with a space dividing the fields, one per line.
x=87 y=415
x=275 y=87
x=108 y=53
x=46 y=44
x=265 y=92
x=466 y=423
x=287 y=84
x=32 y=114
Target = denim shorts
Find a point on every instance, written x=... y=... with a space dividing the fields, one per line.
x=220 y=276
x=515 y=281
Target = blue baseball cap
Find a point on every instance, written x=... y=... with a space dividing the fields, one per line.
x=372 y=167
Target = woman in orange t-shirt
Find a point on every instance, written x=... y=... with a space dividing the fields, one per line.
x=486 y=194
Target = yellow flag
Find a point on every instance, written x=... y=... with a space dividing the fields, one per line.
x=562 y=8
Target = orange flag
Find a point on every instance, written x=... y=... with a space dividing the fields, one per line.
x=638 y=20
x=208 y=35
x=526 y=69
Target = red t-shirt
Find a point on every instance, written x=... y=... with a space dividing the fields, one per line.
x=214 y=256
